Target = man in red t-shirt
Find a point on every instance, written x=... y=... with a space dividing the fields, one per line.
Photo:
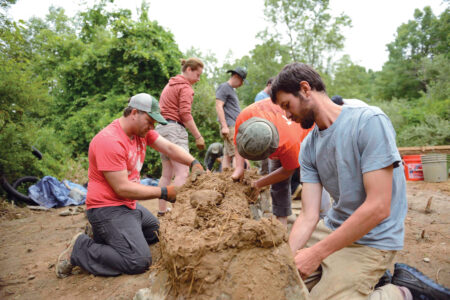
x=263 y=130
x=122 y=228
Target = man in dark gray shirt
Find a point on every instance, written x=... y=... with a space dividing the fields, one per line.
x=227 y=108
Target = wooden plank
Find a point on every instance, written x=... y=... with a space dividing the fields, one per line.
x=424 y=149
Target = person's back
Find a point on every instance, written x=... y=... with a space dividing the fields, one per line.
x=215 y=150
x=265 y=93
x=355 y=102
x=290 y=133
x=261 y=95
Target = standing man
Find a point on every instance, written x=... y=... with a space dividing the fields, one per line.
x=227 y=108
x=352 y=153
x=263 y=131
x=122 y=228
x=264 y=94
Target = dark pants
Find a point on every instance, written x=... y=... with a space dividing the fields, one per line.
x=280 y=193
x=120 y=244
x=295 y=180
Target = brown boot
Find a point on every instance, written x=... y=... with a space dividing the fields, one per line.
x=63 y=267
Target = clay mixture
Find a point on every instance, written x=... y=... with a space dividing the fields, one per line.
x=212 y=248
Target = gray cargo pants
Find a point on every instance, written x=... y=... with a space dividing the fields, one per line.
x=120 y=244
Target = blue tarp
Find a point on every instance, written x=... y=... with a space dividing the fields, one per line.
x=150 y=181
x=50 y=192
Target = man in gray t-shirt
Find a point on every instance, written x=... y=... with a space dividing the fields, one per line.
x=227 y=108
x=351 y=152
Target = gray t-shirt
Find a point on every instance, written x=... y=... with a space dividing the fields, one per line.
x=231 y=107
x=361 y=140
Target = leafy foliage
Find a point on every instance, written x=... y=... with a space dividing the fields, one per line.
x=312 y=33
x=419 y=40
x=63 y=80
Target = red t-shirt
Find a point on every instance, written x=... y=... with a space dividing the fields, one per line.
x=112 y=150
x=291 y=134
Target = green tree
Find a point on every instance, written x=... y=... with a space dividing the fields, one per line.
x=311 y=32
x=435 y=72
x=351 y=80
x=265 y=61
x=24 y=103
x=422 y=38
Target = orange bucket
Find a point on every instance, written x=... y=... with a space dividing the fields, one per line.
x=413 y=167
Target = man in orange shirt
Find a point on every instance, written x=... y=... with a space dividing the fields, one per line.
x=262 y=130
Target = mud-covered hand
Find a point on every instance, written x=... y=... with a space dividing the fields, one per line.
x=196 y=170
x=255 y=190
x=238 y=174
x=225 y=131
x=200 y=143
x=307 y=261
x=169 y=193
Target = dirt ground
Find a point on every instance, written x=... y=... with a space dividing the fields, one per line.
x=31 y=240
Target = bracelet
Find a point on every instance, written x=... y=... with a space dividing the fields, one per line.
x=196 y=138
x=194 y=162
x=164 y=193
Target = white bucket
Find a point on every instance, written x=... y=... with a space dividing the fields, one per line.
x=434 y=167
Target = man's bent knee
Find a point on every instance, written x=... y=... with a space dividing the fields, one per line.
x=138 y=265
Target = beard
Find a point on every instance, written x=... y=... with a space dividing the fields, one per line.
x=307 y=120
x=306 y=116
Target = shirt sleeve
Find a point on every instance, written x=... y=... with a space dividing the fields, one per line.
x=110 y=155
x=289 y=157
x=376 y=143
x=308 y=167
x=185 y=103
x=151 y=137
x=221 y=93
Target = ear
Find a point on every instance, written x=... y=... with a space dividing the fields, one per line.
x=134 y=112
x=305 y=88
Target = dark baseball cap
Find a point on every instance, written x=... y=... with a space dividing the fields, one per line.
x=149 y=104
x=242 y=72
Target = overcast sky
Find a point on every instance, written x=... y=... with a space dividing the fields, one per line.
x=223 y=25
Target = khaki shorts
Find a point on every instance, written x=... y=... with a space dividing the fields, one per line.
x=352 y=272
x=175 y=133
x=228 y=142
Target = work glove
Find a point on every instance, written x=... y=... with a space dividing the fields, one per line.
x=169 y=193
x=196 y=170
x=200 y=143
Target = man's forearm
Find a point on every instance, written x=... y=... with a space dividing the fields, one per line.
x=180 y=155
x=137 y=191
x=307 y=221
x=301 y=232
x=221 y=114
x=276 y=176
x=192 y=127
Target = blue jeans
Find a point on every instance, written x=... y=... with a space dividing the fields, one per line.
x=120 y=244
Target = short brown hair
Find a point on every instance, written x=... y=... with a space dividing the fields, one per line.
x=193 y=63
x=288 y=80
x=127 y=111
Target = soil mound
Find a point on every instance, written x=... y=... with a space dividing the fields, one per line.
x=212 y=248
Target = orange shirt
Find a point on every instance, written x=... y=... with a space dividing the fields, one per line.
x=291 y=134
